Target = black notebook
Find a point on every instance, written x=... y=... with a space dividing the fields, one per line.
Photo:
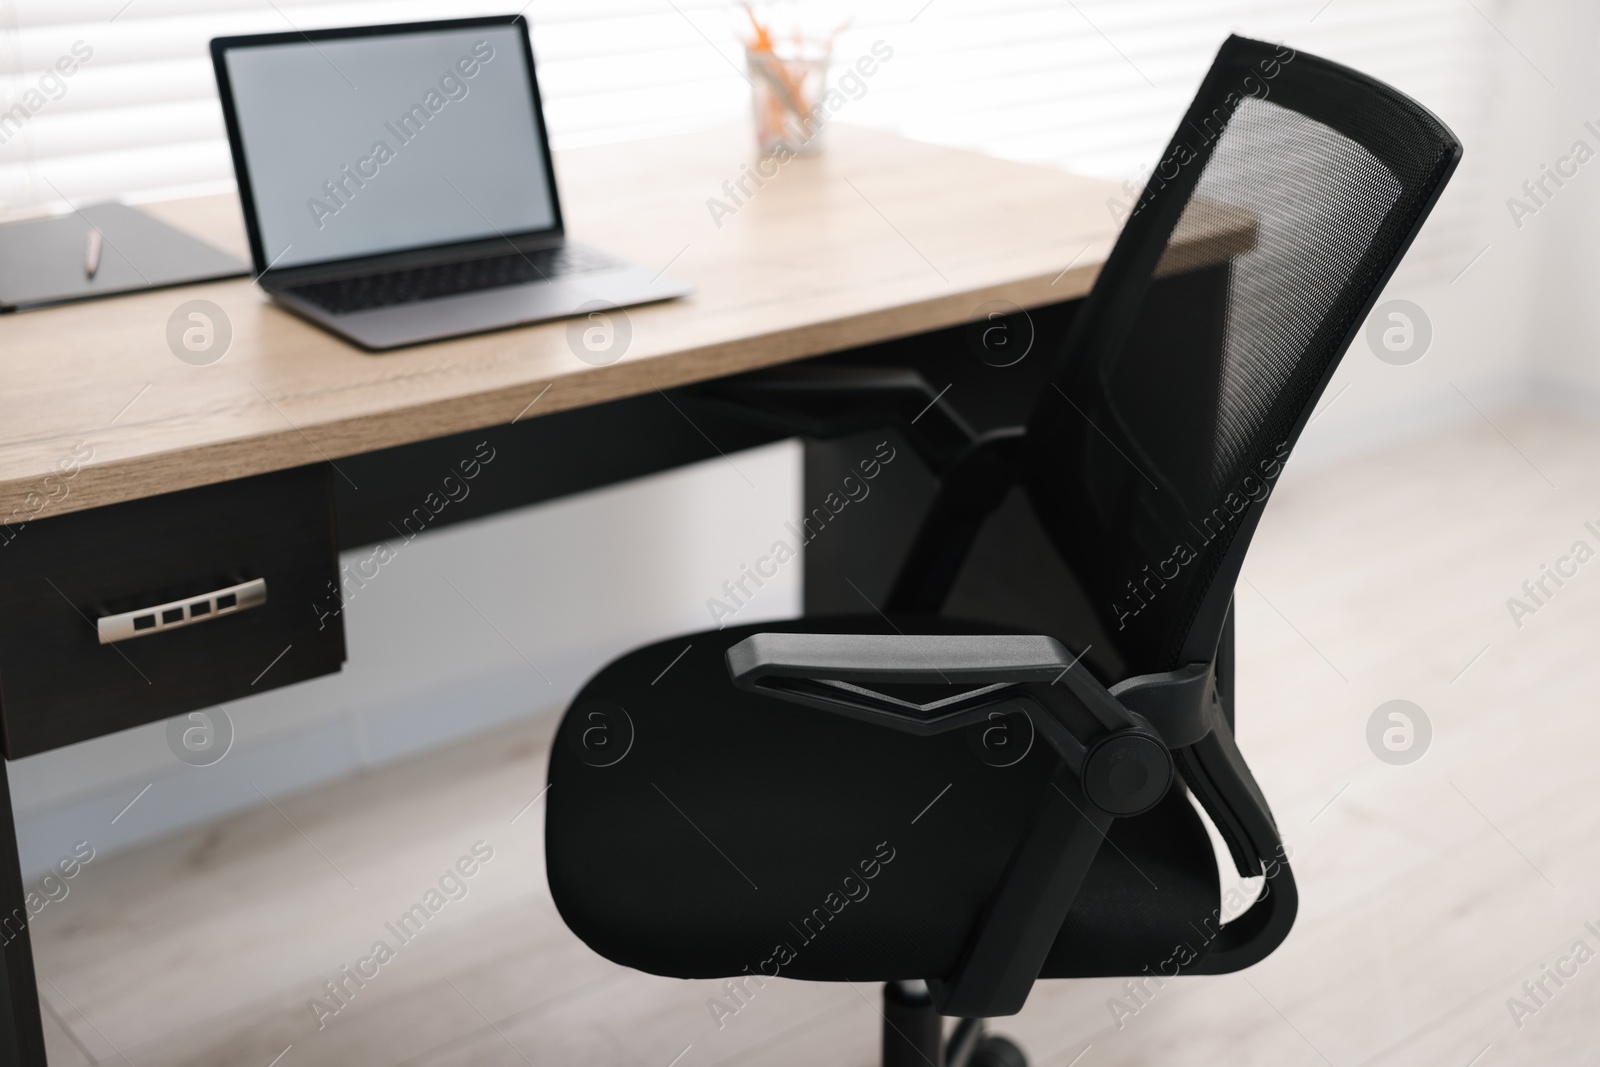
x=44 y=261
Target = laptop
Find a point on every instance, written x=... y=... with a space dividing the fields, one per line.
x=397 y=185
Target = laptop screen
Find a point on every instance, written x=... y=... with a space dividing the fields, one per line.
x=383 y=142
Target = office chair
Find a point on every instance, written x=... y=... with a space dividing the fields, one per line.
x=957 y=808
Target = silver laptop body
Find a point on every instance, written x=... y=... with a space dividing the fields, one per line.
x=397 y=184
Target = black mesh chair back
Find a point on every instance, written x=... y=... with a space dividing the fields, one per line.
x=1263 y=237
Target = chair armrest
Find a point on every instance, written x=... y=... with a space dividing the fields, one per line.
x=1089 y=729
x=891 y=658
x=1094 y=730
x=1180 y=711
x=820 y=401
x=766 y=663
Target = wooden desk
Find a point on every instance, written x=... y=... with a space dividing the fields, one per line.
x=876 y=239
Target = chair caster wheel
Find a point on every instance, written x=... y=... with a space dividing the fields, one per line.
x=997 y=1051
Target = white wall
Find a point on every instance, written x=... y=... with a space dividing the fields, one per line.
x=1563 y=336
x=570 y=584
x=1502 y=336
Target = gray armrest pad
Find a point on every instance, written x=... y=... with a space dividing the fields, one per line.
x=960 y=659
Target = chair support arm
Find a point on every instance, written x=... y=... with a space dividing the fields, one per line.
x=973 y=485
x=828 y=400
x=1019 y=927
x=1084 y=722
x=1193 y=716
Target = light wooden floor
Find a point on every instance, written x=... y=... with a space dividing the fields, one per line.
x=1430 y=892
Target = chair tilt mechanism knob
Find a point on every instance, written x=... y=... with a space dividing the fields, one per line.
x=1127 y=772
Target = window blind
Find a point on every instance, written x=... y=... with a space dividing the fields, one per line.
x=1092 y=86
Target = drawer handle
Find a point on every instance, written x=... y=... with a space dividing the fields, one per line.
x=185 y=612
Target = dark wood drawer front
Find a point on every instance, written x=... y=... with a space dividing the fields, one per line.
x=192 y=552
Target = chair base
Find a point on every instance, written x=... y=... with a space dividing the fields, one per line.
x=913 y=1034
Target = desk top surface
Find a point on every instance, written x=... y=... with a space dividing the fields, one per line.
x=874 y=238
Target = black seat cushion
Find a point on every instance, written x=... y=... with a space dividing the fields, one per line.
x=699 y=831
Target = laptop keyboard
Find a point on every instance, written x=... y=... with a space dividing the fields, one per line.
x=341 y=296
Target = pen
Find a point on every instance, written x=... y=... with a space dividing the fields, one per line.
x=91 y=253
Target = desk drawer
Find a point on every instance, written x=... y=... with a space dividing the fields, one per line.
x=122 y=615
